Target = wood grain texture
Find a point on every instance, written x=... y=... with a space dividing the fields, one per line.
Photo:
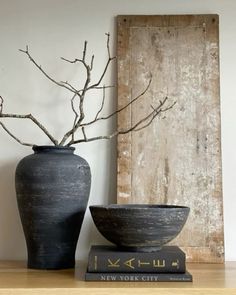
x=15 y=278
x=176 y=160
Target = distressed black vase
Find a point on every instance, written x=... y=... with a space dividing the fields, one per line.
x=52 y=188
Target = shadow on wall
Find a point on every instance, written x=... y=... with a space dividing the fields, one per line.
x=12 y=244
x=104 y=194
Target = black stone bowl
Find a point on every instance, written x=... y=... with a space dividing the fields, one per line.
x=143 y=228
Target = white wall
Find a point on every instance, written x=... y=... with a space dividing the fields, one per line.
x=54 y=28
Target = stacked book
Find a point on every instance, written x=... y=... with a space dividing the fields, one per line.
x=107 y=263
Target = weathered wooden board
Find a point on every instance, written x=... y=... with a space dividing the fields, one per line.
x=176 y=160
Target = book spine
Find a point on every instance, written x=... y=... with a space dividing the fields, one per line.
x=137 y=262
x=128 y=277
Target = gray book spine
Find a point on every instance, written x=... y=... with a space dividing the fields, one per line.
x=141 y=277
x=170 y=259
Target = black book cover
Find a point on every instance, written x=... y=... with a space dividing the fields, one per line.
x=170 y=259
x=139 y=277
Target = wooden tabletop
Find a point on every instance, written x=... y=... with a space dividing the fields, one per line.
x=15 y=278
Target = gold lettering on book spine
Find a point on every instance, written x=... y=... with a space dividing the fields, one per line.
x=113 y=264
x=129 y=263
x=141 y=263
x=175 y=263
x=159 y=263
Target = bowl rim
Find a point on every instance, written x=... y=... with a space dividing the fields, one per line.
x=137 y=207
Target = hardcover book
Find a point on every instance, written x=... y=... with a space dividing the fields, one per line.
x=104 y=259
x=139 y=277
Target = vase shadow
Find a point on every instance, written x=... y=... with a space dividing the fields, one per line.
x=11 y=232
x=103 y=191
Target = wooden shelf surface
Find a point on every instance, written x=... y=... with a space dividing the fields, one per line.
x=15 y=278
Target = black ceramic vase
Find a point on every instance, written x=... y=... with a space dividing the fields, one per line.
x=52 y=188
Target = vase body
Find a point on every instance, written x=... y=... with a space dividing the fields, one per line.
x=52 y=188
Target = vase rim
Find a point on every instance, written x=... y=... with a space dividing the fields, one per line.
x=45 y=148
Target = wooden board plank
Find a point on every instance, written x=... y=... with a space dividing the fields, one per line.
x=176 y=160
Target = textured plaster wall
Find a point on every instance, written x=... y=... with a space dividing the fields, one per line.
x=54 y=28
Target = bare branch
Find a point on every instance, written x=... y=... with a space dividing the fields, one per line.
x=78 y=111
x=81 y=115
x=131 y=102
x=92 y=139
x=97 y=88
x=33 y=119
x=103 y=74
x=14 y=137
x=86 y=87
x=76 y=91
x=84 y=134
x=148 y=123
x=85 y=49
x=75 y=112
x=102 y=105
x=81 y=103
x=91 y=64
x=108 y=44
x=122 y=108
x=103 y=87
x=136 y=127
x=42 y=71
x=85 y=65
x=83 y=91
x=78 y=124
x=1 y=105
x=63 y=84
x=169 y=107
x=110 y=59
x=73 y=61
x=156 y=113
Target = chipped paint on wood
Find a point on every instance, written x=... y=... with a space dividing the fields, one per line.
x=176 y=160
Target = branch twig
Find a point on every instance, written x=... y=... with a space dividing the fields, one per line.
x=85 y=48
x=14 y=137
x=87 y=86
x=122 y=108
x=110 y=59
x=102 y=105
x=96 y=119
x=76 y=91
x=1 y=105
x=78 y=110
x=43 y=71
x=156 y=113
x=84 y=134
x=75 y=112
x=136 y=127
x=33 y=119
x=92 y=61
